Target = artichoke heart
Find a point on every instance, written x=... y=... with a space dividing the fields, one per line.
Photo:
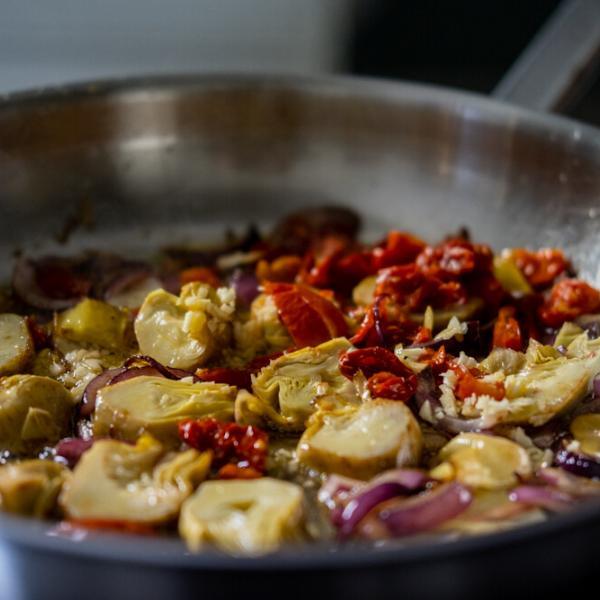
x=16 y=345
x=34 y=411
x=486 y=461
x=31 y=487
x=243 y=516
x=286 y=389
x=361 y=441
x=547 y=385
x=156 y=405
x=94 y=322
x=185 y=331
x=142 y=484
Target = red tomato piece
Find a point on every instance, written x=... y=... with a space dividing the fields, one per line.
x=569 y=299
x=540 y=268
x=468 y=384
x=245 y=446
x=372 y=361
x=507 y=332
x=201 y=274
x=400 y=248
x=240 y=378
x=388 y=385
x=455 y=258
x=309 y=318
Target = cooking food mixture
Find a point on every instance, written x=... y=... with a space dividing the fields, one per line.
x=300 y=385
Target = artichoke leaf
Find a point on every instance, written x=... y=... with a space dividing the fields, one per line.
x=185 y=331
x=34 y=411
x=139 y=483
x=31 y=487
x=16 y=345
x=243 y=517
x=156 y=405
x=362 y=440
x=288 y=388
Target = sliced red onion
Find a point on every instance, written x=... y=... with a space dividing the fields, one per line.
x=578 y=464
x=245 y=285
x=425 y=511
x=359 y=506
x=71 y=449
x=337 y=487
x=26 y=285
x=133 y=372
x=126 y=280
x=410 y=480
x=88 y=402
x=542 y=497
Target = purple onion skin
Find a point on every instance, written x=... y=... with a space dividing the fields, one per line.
x=578 y=464
x=246 y=287
x=88 y=402
x=133 y=372
x=168 y=372
x=542 y=497
x=410 y=480
x=426 y=511
x=363 y=503
x=126 y=280
x=71 y=449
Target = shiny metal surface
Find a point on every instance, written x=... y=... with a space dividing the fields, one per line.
x=182 y=159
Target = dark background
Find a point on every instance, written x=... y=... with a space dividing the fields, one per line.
x=467 y=44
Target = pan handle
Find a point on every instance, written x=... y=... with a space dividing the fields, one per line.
x=560 y=62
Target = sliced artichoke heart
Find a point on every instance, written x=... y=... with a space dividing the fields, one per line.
x=16 y=345
x=486 y=461
x=185 y=331
x=545 y=387
x=34 y=411
x=586 y=431
x=361 y=441
x=288 y=387
x=31 y=487
x=243 y=516
x=141 y=483
x=157 y=405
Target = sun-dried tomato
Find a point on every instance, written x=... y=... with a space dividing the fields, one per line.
x=455 y=258
x=469 y=383
x=231 y=471
x=399 y=249
x=540 y=268
x=422 y=335
x=283 y=269
x=569 y=299
x=200 y=274
x=507 y=332
x=309 y=318
x=385 y=324
x=353 y=268
x=371 y=361
x=439 y=360
x=414 y=290
x=258 y=362
x=240 y=378
x=394 y=387
x=319 y=263
x=244 y=446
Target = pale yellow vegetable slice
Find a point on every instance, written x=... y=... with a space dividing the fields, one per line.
x=156 y=405
x=116 y=481
x=16 y=345
x=486 y=461
x=586 y=430
x=362 y=440
x=34 y=411
x=243 y=516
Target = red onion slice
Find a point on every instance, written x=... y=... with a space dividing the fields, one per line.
x=168 y=372
x=245 y=285
x=425 y=511
x=25 y=282
x=88 y=402
x=578 y=464
x=71 y=449
x=133 y=372
x=580 y=487
x=542 y=497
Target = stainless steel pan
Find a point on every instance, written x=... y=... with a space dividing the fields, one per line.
x=165 y=159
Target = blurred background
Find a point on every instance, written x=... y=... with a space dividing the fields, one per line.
x=467 y=44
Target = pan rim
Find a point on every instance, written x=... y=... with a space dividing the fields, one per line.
x=171 y=553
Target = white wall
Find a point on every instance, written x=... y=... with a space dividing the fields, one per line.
x=55 y=41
